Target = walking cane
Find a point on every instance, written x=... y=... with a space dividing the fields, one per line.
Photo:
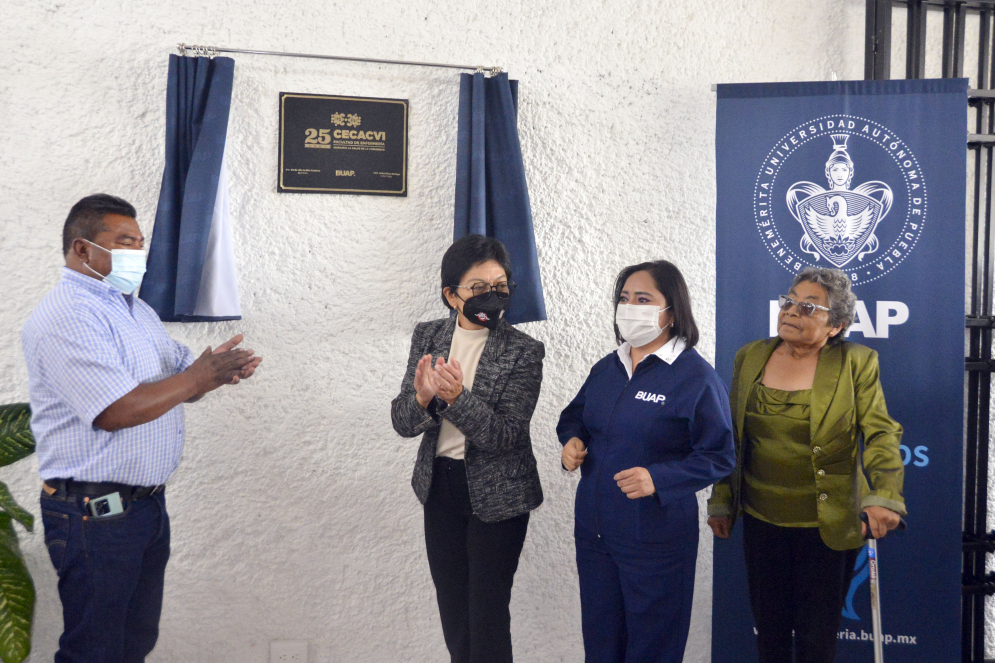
x=872 y=564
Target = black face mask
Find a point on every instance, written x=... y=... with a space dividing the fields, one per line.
x=486 y=309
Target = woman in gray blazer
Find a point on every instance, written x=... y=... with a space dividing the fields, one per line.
x=470 y=388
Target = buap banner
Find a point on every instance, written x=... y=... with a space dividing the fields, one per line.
x=893 y=220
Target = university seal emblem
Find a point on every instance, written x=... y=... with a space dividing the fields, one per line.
x=839 y=224
x=854 y=228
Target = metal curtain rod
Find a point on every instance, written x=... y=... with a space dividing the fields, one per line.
x=212 y=51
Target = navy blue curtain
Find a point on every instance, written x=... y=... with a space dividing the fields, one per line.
x=190 y=274
x=492 y=197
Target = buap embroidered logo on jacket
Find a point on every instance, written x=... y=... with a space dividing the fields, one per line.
x=650 y=398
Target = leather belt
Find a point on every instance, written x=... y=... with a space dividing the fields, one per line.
x=99 y=489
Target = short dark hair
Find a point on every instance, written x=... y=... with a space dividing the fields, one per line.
x=86 y=218
x=671 y=285
x=468 y=252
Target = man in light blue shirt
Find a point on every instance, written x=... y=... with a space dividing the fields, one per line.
x=107 y=385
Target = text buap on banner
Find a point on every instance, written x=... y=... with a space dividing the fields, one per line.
x=867 y=177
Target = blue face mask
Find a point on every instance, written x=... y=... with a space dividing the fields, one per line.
x=127 y=268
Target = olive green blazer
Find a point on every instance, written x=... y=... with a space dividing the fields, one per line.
x=847 y=402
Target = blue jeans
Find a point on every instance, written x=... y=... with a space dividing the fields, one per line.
x=110 y=577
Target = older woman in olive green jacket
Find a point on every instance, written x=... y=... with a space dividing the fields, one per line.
x=800 y=403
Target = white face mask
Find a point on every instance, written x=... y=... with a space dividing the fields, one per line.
x=639 y=325
x=127 y=268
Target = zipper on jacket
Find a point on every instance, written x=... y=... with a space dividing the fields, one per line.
x=597 y=479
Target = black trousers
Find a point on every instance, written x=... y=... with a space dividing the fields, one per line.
x=473 y=566
x=797 y=583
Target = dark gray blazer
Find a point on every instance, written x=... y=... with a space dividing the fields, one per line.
x=494 y=417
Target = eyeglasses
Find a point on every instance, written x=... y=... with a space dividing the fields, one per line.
x=805 y=309
x=503 y=290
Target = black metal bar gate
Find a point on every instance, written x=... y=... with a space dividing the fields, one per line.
x=979 y=321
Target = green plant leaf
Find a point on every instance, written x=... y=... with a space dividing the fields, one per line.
x=17 y=597
x=16 y=440
x=16 y=511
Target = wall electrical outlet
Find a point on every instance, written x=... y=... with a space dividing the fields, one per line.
x=288 y=651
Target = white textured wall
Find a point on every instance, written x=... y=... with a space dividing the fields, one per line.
x=292 y=513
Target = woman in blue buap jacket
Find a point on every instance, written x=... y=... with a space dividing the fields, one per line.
x=650 y=427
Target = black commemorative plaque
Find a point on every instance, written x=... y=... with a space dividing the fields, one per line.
x=356 y=145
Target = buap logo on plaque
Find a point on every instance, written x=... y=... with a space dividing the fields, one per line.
x=865 y=229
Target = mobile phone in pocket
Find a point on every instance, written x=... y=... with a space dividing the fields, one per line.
x=106 y=506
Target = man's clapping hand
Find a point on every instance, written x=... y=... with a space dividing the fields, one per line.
x=149 y=401
x=226 y=365
x=250 y=368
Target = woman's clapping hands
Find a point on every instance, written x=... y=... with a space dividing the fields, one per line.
x=426 y=381
x=444 y=380
x=450 y=376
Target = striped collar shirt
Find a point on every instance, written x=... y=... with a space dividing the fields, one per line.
x=86 y=345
